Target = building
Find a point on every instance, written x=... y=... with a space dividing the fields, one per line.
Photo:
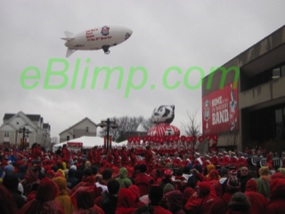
x=244 y=100
x=30 y=127
x=85 y=127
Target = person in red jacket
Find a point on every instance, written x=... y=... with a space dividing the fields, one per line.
x=258 y=201
x=277 y=197
x=148 y=156
x=126 y=202
x=124 y=156
x=203 y=201
x=174 y=201
x=143 y=180
x=44 y=201
x=65 y=154
x=133 y=156
x=97 y=156
x=36 y=152
x=91 y=156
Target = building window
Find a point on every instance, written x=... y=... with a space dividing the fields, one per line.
x=278 y=116
x=276 y=73
x=87 y=129
x=74 y=136
x=283 y=70
x=67 y=138
x=6 y=134
x=265 y=76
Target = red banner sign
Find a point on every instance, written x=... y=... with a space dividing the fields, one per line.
x=220 y=111
x=74 y=144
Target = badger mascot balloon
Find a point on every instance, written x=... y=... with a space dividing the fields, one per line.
x=162 y=116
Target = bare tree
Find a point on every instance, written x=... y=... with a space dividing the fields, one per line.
x=191 y=127
x=54 y=140
x=49 y=144
x=147 y=124
x=125 y=124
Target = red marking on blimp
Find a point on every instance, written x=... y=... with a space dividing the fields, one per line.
x=97 y=38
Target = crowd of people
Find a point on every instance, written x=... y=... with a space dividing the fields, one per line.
x=130 y=180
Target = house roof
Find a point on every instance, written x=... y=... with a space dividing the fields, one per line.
x=46 y=126
x=32 y=117
x=86 y=118
x=8 y=116
x=29 y=118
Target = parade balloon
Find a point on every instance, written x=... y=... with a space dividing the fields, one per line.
x=164 y=129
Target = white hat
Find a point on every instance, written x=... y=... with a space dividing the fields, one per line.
x=73 y=167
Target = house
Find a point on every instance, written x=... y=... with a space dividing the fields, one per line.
x=85 y=127
x=30 y=127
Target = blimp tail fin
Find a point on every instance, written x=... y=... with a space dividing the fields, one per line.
x=68 y=36
x=69 y=52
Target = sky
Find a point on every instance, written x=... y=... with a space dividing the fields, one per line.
x=167 y=35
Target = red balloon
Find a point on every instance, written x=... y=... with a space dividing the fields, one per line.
x=200 y=139
x=183 y=138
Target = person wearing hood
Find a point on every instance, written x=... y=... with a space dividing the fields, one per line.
x=258 y=201
x=126 y=202
x=63 y=198
x=203 y=201
x=44 y=201
x=175 y=202
x=219 y=204
x=31 y=179
x=277 y=196
x=123 y=178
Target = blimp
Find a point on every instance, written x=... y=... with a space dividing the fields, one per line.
x=96 y=38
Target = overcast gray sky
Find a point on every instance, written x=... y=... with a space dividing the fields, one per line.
x=166 y=33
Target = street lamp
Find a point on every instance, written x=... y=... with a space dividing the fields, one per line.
x=108 y=124
x=24 y=131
